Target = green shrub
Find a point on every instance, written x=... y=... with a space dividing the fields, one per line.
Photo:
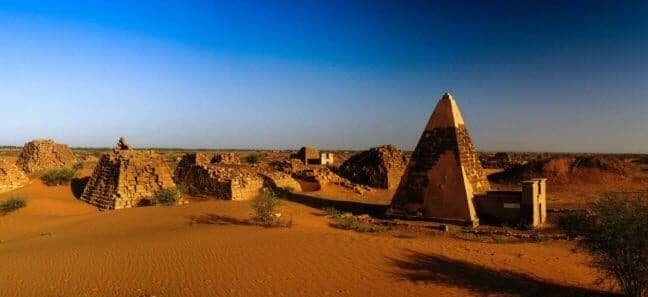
x=12 y=204
x=61 y=176
x=265 y=208
x=170 y=196
x=615 y=234
x=353 y=223
x=332 y=212
x=253 y=158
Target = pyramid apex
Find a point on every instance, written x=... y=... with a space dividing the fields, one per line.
x=447 y=95
x=446 y=113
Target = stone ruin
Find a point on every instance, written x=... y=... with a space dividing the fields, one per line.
x=230 y=182
x=380 y=167
x=311 y=156
x=445 y=180
x=39 y=155
x=281 y=180
x=11 y=177
x=528 y=206
x=227 y=158
x=124 y=177
x=444 y=174
x=324 y=176
x=307 y=155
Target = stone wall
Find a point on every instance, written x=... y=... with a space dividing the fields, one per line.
x=11 y=177
x=380 y=167
x=123 y=178
x=38 y=155
x=528 y=206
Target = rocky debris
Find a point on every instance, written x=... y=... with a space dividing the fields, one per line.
x=280 y=180
x=379 y=167
x=38 y=155
x=497 y=160
x=220 y=181
x=227 y=158
x=11 y=177
x=290 y=166
x=124 y=177
x=324 y=176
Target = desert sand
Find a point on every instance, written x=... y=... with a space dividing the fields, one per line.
x=61 y=246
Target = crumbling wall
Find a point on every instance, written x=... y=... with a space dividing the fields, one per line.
x=11 y=177
x=380 y=167
x=122 y=178
x=223 y=182
x=227 y=158
x=280 y=180
x=38 y=155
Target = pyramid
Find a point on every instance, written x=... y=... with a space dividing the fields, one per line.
x=444 y=173
x=40 y=154
x=125 y=176
x=11 y=177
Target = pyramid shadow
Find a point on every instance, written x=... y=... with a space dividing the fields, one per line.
x=214 y=219
x=77 y=185
x=374 y=210
x=435 y=269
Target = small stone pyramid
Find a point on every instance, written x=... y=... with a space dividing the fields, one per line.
x=40 y=154
x=125 y=176
x=11 y=177
x=444 y=173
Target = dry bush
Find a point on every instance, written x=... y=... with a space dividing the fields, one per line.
x=12 y=204
x=614 y=232
x=61 y=176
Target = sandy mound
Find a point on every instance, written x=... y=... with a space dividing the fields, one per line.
x=562 y=170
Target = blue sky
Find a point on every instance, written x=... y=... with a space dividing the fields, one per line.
x=528 y=75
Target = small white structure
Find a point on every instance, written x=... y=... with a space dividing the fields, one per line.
x=326 y=159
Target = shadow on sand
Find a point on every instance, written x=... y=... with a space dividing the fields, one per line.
x=483 y=281
x=78 y=185
x=374 y=210
x=214 y=219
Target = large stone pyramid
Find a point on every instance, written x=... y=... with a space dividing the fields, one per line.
x=444 y=173
x=11 y=177
x=125 y=176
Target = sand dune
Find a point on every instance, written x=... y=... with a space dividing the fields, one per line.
x=59 y=246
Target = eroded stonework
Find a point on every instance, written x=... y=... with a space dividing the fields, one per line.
x=229 y=182
x=11 y=177
x=38 y=155
x=380 y=167
x=227 y=158
x=124 y=177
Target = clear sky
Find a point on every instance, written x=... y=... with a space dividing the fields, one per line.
x=528 y=75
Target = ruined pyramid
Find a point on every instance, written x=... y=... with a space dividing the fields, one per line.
x=125 y=176
x=444 y=173
x=40 y=154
